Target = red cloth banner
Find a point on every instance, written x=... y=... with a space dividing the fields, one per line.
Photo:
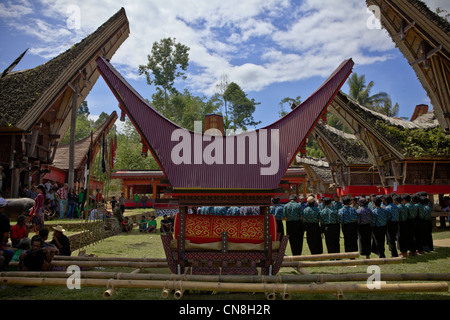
x=240 y=229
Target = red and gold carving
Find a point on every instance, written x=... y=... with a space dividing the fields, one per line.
x=240 y=229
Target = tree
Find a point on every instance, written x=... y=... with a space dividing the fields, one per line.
x=166 y=62
x=361 y=93
x=289 y=102
x=221 y=87
x=84 y=109
x=241 y=108
x=380 y=102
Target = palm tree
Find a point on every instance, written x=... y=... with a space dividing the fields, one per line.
x=361 y=93
x=380 y=102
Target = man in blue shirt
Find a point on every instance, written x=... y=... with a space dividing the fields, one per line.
x=294 y=225
x=379 y=224
x=329 y=219
x=412 y=224
x=403 y=226
x=348 y=218
x=336 y=203
x=392 y=224
x=277 y=210
x=364 y=228
x=311 y=218
x=420 y=223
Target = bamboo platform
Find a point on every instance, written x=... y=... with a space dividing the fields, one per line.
x=281 y=285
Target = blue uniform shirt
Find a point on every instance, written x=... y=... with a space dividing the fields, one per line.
x=379 y=217
x=293 y=211
x=329 y=215
x=348 y=215
x=364 y=215
x=311 y=215
x=412 y=210
x=393 y=212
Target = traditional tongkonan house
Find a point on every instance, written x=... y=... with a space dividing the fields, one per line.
x=319 y=175
x=94 y=143
x=410 y=156
x=215 y=170
x=36 y=104
x=351 y=165
x=423 y=38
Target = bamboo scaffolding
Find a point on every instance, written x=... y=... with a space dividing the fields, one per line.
x=93 y=264
x=358 y=262
x=143 y=264
x=232 y=287
x=316 y=257
x=320 y=278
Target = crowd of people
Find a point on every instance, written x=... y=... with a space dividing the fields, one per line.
x=32 y=254
x=367 y=224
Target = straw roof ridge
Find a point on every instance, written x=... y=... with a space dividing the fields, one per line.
x=320 y=168
x=372 y=117
x=431 y=15
x=349 y=146
x=20 y=90
x=81 y=146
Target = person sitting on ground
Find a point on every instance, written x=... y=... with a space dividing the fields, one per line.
x=36 y=259
x=142 y=224
x=126 y=225
x=19 y=231
x=46 y=244
x=23 y=245
x=166 y=225
x=61 y=241
x=152 y=225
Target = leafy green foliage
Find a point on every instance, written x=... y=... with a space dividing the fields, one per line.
x=379 y=102
x=241 y=108
x=418 y=143
x=166 y=62
x=129 y=150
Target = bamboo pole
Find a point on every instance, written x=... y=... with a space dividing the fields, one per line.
x=93 y=264
x=142 y=264
x=233 y=287
x=358 y=262
x=87 y=258
x=317 y=257
x=235 y=278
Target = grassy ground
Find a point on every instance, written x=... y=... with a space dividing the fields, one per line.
x=144 y=245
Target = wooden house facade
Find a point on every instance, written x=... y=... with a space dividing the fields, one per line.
x=36 y=104
x=404 y=165
x=423 y=38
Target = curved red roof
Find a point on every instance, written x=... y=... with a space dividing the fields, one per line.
x=259 y=164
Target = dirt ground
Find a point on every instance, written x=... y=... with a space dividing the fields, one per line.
x=442 y=242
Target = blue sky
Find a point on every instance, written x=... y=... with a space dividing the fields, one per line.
x=272 y=48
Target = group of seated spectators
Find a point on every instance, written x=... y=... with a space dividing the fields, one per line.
x=149 y=226
x=35 y=253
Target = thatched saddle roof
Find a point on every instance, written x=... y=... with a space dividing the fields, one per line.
x=319 y=167
x=346 y=146
x=21 y=91
x=82 y=146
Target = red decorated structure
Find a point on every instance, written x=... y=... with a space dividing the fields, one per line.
x=229 y=176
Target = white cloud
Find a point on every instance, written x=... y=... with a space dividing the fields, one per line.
x=255 y=42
